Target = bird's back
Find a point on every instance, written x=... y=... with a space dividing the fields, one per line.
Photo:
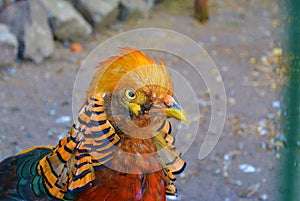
x=19 y=177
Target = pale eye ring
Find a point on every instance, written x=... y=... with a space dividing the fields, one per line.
x=130 y=94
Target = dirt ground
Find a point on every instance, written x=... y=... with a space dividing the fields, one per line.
x=36 y=99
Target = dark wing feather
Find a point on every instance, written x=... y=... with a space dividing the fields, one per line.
x=19 y=177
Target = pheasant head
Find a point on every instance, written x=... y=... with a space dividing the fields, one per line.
x=139 y=92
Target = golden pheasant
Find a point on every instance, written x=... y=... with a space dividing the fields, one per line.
x=119 y=148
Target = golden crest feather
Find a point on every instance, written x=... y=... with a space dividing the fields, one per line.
x=143 y=69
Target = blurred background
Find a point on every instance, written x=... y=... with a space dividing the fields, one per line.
x=44 y=42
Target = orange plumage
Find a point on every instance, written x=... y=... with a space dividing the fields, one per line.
x=119 y=148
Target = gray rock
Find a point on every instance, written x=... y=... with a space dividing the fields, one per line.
x=8 y=46
x=66 y=22
x=38 y=38
x=3 y=28
x=98 y=13
x=134 y=8
x=28 y=21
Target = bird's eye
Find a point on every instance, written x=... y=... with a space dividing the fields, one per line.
x=130 y=94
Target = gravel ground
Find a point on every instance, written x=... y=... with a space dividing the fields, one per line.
x=36 y=99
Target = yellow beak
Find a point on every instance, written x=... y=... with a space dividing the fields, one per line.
x=177 y=112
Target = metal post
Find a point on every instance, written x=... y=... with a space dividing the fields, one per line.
x=201 y=10
x=290 y=157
